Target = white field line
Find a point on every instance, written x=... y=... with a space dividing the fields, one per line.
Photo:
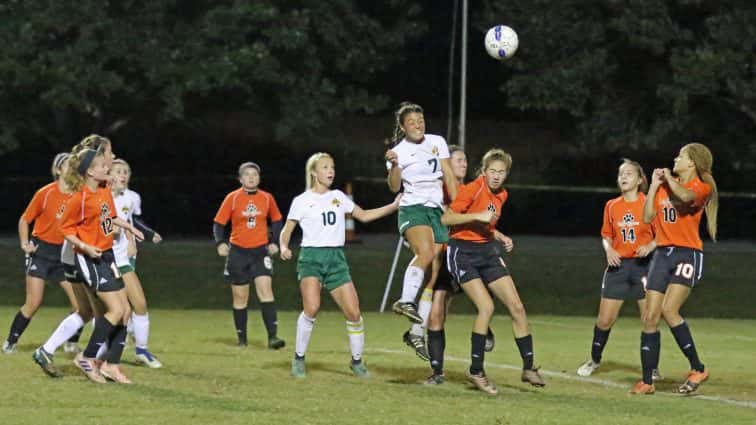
x=572 y=326
x=606 y=383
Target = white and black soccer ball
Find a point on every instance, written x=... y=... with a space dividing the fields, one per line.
x=501 y=42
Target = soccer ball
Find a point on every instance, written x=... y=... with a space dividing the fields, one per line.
x=501 y=42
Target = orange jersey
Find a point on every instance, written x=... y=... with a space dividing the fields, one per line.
x=45 y=208
x=678 y=223
x=624 y=226
x=249 y=214
x=472 y=198
x=89 y=216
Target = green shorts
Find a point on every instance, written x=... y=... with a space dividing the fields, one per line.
x=131 y=267
x=420 y=215
x=329 y=265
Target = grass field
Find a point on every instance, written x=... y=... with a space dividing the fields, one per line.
x=208 y=380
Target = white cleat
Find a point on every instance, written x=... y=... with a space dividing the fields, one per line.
x=144 y=357
x=587 y=368
x=9 y=348
x=71 y=348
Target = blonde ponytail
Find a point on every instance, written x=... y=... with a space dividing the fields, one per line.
x=703 y=160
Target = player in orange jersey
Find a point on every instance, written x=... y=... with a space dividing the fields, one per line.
x=42 y=250
x=249 y=251
x=474 y=259
x=627 y=241
x=677 y=201
x=88 y=224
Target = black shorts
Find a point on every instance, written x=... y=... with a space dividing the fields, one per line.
x=243 y=265
x=100 y=274
x=467 y=261
x=45 y=262
x=626 y=282
x=672 y=264
x=445 y=281
x=72 y=273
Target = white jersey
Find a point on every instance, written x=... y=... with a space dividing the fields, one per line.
x=421 y=170
x=321 y=217
x=128 y=203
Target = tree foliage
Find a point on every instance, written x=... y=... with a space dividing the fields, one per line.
x=637 y=73
x=68 y=67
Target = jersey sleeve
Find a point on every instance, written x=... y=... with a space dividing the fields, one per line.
x=702 y=192
x=34 y=209
x=295 y=211
x=346 y=203
x=273 y=212
x=224 y=212
x=607 y=230
x=71 y=215
x=443 y=148
x=137 y=204
x=465 y=198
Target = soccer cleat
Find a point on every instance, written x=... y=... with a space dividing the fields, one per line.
x=481 y=381
x=71 y=348
x=113 y=372
x=490 y=341
x=359 y=369
x=435 y=379
x=409 y=310
x=9 y=348
x=587 y=368
x=298 y=368
x=145 y=357
x=242 y=343
x=276 y=343
x=88 y=367
x=418 y=343
x=656 y=375
x=532 y=377
x=45 y=361
x=695 y=379
x=643 y=388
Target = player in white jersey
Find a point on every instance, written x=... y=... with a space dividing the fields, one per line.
x=419 y=163
x=320 y=212
x=128 y=207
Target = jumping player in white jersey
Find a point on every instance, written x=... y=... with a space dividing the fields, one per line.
x=419 y=163
x=320 y=212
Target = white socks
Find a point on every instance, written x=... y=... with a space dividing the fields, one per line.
x=356 y=332
x=423 y=309
x=65 y=330
x=304 y=331
x=141 y=325
x=413 y=281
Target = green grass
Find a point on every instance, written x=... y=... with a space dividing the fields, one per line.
x=207 y=380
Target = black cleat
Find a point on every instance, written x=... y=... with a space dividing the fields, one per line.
x=409 y=310
x=276 y=343
x=418 y=343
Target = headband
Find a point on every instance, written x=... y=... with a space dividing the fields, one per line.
x=86 y=161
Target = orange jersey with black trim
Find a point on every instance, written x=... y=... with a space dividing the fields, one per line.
x=45 y=208
x=678 y=223
x=472 y=198
x=89 y=216
x=624 y=226
x=249 y=213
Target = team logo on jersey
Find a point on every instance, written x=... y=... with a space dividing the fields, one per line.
x=106 y=223
x=336 y=202
x=628 y=220
x=434 y=151
x=491 y=207
x=125 y=209
x=251 y=212
x=60 y=212
x=104 y=211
